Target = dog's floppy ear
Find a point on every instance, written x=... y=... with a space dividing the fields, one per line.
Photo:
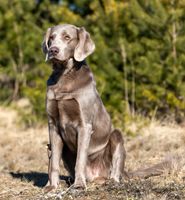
x=45 y=42
x=85 y=45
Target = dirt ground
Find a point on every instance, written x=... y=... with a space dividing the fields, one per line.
x=23 y=164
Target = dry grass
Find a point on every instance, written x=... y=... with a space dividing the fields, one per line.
x=23 y=164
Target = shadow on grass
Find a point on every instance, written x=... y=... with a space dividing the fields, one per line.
x=39 y=179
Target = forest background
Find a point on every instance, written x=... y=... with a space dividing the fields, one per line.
x=139 y=61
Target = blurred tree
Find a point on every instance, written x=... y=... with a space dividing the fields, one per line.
x=159 y=64
x=138 y=63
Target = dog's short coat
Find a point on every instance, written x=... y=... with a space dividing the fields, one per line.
x=80 y=129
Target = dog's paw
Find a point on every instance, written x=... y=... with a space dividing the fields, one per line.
x=79 y=183
x=79 y=186
x=49 y=188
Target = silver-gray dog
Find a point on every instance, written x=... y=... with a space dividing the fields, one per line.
x=80 y=129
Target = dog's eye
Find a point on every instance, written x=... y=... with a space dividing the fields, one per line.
x=67 y=37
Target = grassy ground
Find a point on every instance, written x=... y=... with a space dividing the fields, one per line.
x=23 y=164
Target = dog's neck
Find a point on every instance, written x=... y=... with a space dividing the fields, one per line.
x=66 y=66
x=63 y=67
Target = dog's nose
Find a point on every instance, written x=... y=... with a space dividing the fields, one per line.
x=54 y=51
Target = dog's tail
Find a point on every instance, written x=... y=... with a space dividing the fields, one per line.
x=169 y=164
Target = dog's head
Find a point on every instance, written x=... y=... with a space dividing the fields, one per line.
x=67 y=41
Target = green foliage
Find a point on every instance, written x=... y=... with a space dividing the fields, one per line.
x=139 y=62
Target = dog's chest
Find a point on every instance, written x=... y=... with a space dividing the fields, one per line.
x=69 y=112
x=70 y=119
x=65 y=109
x=66 y=113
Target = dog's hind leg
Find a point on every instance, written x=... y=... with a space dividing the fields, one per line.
x=118 y=155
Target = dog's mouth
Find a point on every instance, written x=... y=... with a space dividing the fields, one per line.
x=55 y=60
x=52 y=58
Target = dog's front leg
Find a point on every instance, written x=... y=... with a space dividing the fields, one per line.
x=56 y=146
x=84 y=135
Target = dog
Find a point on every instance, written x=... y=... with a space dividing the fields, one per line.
x=80 y=129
